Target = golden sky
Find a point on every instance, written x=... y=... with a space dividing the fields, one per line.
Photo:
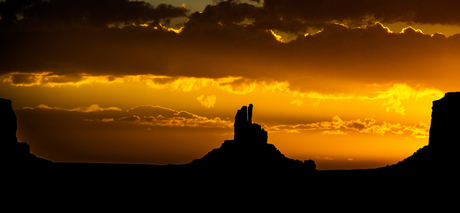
x=348 y=84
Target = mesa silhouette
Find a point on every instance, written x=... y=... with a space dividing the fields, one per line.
x=441 y=153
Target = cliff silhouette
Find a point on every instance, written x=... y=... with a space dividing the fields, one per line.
x=441 y=153
x=14 y=154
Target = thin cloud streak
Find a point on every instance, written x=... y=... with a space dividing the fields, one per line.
x=337 y=126
x=91 y=108
x=145 y=115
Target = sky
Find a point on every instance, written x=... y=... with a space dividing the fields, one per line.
x=346 y=83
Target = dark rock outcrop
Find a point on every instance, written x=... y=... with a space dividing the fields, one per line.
x=247 y=131
x=249 y=150
x=442 y=151
x=9 y=124
x=14 y=154
x=444 y=130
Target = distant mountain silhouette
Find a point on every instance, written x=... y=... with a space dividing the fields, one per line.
x=249 y=149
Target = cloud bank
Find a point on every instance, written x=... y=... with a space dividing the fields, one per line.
x=158 y=116
x=141 y=115
x=73 y=41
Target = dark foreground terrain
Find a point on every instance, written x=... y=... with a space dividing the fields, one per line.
x=172 y=185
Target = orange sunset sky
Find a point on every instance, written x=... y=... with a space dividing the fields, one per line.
x=346 y=83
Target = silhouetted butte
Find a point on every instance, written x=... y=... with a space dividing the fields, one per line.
x=441 y=153
x=249 y=149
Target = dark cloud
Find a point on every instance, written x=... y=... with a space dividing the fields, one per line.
x=362 y=11
x=288 y=15
x=23 y=79
x=374 y=53
x=232 y=14
x=43 y=78
x=227 y=39
x=39 y=14
x=297 y=16
x=225 y=13
x=370 y=55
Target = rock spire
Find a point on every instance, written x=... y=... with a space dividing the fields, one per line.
x=247 y=131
